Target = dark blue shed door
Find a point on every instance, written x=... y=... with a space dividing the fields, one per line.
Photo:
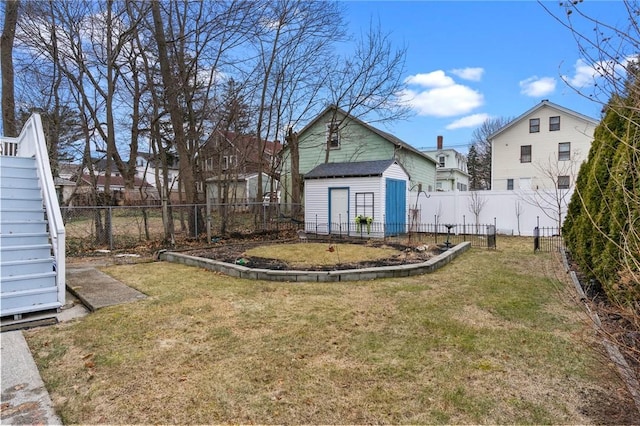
x=396 y=207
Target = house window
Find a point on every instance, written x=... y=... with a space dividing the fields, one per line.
x=525 y=153
x=534 y=125
x=333 y=136
x=510 y=184
x=208 y=164
x=441 y=161
x=229 y=161
x=564 y=182
x=554 y=123
x=199 y=187
x=564 y=151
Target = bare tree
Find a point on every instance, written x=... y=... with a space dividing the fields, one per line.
x=367 y=85
x=557 y=179
x=519 y=211
x=480 y=152
x=6 y=61
x=476 y=204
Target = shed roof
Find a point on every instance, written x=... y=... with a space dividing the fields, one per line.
x=355 y=169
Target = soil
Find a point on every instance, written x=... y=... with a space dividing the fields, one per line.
x=232 y=252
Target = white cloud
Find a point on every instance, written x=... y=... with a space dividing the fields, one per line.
x=442 y=96
x=432 y=79
x=536 y=87
x=473 y=74
x=473 y=120
x=584 y=75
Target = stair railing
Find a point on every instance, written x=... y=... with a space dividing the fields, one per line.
x=32 y=143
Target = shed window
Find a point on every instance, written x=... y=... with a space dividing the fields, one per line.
x=364 y=204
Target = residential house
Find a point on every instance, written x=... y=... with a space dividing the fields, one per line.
x=541 y=149
x=231 y=164
x=83 y=194
x=451 y=172
x=148 y=165
x=350 y=139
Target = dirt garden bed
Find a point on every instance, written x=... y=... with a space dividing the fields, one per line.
x=240 y=253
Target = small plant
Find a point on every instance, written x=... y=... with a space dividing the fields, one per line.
x=364 y=220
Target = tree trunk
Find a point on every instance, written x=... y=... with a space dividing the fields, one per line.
x=187 y=179
x=6 y=61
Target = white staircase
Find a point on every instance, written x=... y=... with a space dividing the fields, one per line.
x=30 y=249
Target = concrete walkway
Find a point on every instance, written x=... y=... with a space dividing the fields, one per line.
x=25 y=399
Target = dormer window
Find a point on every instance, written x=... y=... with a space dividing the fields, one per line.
x=441 y=160
x=333 y=135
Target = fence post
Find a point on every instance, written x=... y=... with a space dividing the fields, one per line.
x=464 y=228
x=110 y=222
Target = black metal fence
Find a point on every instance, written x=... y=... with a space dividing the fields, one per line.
x=547 y=239
x=128 y=227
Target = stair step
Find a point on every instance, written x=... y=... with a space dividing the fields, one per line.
x=20 y=194
x=23 y=239
x=10 y=162
x=19 y=267
x=27 y=282
x=15 y=226
x=10 y=215
x=39 y=251
x=20 y=203
x=30 y=300
x=14 y=182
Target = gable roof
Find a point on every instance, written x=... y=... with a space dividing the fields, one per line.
x=387 y=136
x=539 y=106
x=354 y=169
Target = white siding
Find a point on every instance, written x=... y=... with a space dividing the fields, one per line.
x=316 y=198
x=544 y=149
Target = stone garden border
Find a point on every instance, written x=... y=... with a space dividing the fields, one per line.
x=396 y=271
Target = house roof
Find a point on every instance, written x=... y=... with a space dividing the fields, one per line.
x=539 y=106
x=387 y=136
x=116 y=181
x=356 y=169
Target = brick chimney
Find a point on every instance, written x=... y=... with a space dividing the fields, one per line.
x=440 y=142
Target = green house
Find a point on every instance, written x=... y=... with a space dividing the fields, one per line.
x=350 y=139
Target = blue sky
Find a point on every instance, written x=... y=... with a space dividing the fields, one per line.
x=469 y=60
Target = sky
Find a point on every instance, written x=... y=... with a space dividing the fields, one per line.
x=472 y=60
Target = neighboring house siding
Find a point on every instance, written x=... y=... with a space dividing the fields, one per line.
x=358 y=142
x=507 y=147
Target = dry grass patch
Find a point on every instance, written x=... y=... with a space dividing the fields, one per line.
x=322 y=254
x=478 y=341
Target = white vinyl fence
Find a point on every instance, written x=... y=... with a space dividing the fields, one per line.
x=513 y=212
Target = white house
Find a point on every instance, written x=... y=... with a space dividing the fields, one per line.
x=451 y=171
x=541 y=149
x=335 y=194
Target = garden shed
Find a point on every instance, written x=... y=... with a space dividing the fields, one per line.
x=366 y=198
